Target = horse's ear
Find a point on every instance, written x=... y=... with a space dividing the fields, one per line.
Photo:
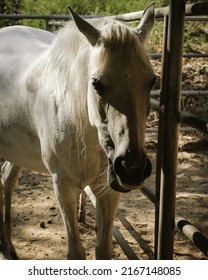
x=146 y=23
x=85 y=27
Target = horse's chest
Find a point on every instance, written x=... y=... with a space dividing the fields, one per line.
x=74 y=155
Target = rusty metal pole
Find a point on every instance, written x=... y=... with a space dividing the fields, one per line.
x=170 y=129
x=160 y=135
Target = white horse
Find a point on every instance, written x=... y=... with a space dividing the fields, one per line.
x=74 y=105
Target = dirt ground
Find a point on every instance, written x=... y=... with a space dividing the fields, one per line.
x=38 y=231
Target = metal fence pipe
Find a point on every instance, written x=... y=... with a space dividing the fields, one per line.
x=182 y=129
x=193 y=234
x=170 y=133
x=183 y=92
x=185 y=55
x=124 y=244
x=196 y=18
x=197 y=8
x=184 y=117
x=194 y=92
x=149 y=192
x=34 y=16
x=194 y=121
x=160 y=134
x=190 y=9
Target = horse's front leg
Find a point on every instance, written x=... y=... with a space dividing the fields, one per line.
x=67 y=197
x=4 y=243
x=106 y=207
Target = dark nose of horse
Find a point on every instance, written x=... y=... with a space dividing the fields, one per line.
x=131 y=173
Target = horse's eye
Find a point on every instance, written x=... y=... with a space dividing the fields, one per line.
x=98 y=86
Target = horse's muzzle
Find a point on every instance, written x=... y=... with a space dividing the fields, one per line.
x=132 y=173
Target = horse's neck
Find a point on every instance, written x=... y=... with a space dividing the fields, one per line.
x=65 y=73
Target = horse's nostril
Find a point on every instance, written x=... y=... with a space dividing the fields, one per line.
x=147 y=169
x=119 y=166
x=132 y=173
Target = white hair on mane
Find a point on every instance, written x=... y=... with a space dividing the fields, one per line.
x=63 y=77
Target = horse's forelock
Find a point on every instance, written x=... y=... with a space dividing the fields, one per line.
x=116 y=35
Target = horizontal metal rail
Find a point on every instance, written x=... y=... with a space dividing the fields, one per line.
x=190 y=231
x=184 y=92
x=67 y=17
x=185 y=55
x=193 y=234
x=35 y=16
x=181 y=129
x=191 y=9
x=184 y=117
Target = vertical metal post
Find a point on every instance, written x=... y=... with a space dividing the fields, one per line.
x=160 y=135
x=170 y=129
x=47 y=27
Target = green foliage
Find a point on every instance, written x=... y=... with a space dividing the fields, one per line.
x=83 y=7
x=10 y=7
x=109 y=7
x=44 y=6
x=196 y=37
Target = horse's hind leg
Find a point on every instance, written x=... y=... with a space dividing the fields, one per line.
x=106 y=207
x=10 y=175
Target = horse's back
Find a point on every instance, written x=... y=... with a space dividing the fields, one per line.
x=20 y=48
x=14 y=38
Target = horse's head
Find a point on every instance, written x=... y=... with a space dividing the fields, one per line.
x=120 y=80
